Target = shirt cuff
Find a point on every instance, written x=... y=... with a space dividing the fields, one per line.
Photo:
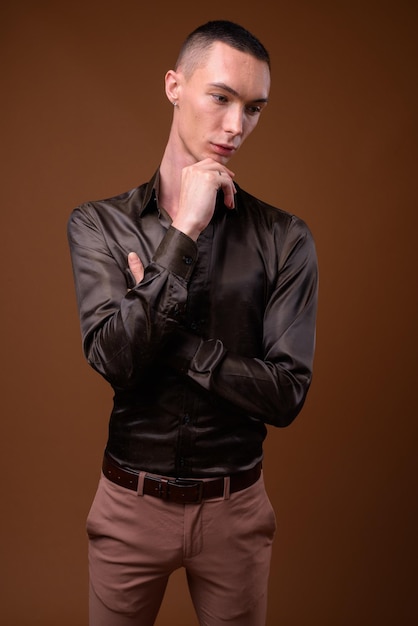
x=177 y=253
x=189 y=354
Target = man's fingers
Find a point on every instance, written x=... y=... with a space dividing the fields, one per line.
x=229 y=190
x=136 y=267
x=229 y=196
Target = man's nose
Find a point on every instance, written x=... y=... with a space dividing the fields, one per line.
x=233 y=121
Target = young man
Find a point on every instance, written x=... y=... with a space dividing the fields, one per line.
x=197 y=303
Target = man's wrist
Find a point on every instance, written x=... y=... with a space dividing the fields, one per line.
x=187 y=229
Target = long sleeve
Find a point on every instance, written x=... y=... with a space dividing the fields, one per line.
x=123 y=329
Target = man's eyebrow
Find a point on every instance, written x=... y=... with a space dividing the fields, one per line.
x=233 y=92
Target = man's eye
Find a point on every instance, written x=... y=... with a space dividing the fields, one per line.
x=219 y=98
x=254 y=109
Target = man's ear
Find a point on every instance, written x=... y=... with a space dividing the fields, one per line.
x=172 y=86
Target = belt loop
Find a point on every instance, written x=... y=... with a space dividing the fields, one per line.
x=227 y=487
x=140 y=488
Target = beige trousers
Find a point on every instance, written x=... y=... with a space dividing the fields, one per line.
x=137 y=541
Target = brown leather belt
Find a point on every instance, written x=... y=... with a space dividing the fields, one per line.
x=180 y=490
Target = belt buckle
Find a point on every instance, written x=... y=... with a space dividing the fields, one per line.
x=189 y=483
x=163 y=488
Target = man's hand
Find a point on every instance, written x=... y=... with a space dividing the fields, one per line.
x=200 y=183
x=136 y=267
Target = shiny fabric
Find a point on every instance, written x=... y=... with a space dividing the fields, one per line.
x=214 y=343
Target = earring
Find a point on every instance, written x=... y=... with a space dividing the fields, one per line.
x=174 y=103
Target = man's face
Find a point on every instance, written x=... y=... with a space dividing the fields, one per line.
x=219 y=104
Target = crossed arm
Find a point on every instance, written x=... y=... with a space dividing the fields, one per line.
x=121 y=337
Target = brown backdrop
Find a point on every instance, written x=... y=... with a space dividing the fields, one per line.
x=84 y=117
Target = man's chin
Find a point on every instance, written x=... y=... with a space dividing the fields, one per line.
x=222 y=160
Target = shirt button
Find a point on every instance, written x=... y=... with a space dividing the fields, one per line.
x=188 y=260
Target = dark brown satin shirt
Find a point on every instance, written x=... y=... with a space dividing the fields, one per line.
x=214 y=343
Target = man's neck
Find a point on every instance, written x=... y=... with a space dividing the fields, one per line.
x=171 y=168
x=169 y=188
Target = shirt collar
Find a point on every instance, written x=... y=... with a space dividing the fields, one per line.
x=149 y=202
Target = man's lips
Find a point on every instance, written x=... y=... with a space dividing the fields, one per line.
x=224 y=149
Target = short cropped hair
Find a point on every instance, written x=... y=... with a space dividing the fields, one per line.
x=198 y=43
